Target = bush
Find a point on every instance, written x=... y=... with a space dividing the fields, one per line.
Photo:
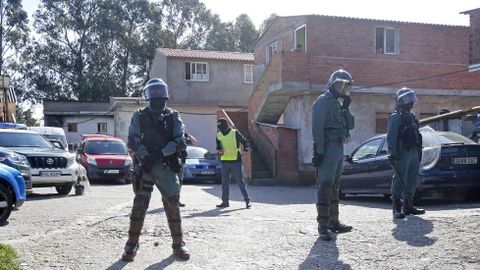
x=9 y=259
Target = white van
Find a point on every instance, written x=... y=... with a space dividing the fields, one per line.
x=52 y=133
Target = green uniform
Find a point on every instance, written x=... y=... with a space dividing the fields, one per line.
x=161 y=175
x=406 y=158
x=330 y=128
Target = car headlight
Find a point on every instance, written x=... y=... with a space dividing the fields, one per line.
x=128 y=161
x=17 y=159
x=92 y=161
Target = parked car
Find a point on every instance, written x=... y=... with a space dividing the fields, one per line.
x=105 y=157
x=50 y=166
x=12 y=191
x=53 y=134
x=201 y=165
x=454 y=166
x=19 y=162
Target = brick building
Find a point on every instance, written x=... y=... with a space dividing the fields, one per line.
x=296 y=55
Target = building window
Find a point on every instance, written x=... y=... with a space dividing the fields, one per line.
x=300 y=39
x=248 y=73
x=271 y=49
x=102 y=128
x=386 y=40
x=381 y=122
x=196 y=71
x=72 y=127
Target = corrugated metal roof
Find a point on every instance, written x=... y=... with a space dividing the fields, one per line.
x=203 y=54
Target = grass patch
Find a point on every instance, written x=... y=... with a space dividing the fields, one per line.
x=9 y=259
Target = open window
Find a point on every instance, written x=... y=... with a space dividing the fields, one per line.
x=271 y=49
x=300 y=39
x=248 y=74
x=386 y=40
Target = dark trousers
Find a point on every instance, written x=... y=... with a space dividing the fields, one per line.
x=233 y=170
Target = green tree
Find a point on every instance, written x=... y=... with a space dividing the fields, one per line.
x=267 y=23
x=14 y=33
x=25 y=117
x=246 y=33
x=222 y=37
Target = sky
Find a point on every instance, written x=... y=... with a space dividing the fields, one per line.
x=423 y=11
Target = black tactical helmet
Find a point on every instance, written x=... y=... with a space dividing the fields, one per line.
x=155 y=88
x=341 y=82
x=406 y=96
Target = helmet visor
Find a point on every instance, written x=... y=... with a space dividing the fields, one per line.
x=342 y=86
x=408 y=97
x=156 y=91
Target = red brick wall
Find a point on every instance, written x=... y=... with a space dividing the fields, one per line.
x=475 y=37
x=287 y=157
x=334 y=42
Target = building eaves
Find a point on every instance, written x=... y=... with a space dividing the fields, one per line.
x=205 y=54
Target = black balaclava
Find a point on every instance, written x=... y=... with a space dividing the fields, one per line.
x=222 y=125
x=157 y=104
x=407 y=106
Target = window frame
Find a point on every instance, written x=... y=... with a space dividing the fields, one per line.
x=295 y=37
x=273 y=45
x=396 y=45
x=245 y=66
x=99 y=129
x=194 y=64
x=71 y=129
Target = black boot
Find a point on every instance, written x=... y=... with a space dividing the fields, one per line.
x=409 y=209
x=174 y=219
x=223 y=205
x=397 y=209
x=130 y=252
x=340 y=228
x=248 y=204
x=180 y=251
x=324 y=233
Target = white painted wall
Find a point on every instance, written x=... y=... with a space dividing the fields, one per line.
x=86 y=127
x=200 y=121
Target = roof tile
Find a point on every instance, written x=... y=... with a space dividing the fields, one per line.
x=203 y=54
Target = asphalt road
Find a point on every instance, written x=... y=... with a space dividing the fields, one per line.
x=279 y=232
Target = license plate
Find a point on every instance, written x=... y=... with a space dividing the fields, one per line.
x=208 y=172
x=111 y=171
x=464 y=161
x=50 y=174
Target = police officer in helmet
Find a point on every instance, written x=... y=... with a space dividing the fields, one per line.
x=331 y=122
x=405 y=146
x=156 y=137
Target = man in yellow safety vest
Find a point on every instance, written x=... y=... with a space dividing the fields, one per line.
x=228 y=147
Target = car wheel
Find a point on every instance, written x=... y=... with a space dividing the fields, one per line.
x=5 y=198
x=64 y=189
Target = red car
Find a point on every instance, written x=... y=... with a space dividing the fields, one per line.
x=105 y=157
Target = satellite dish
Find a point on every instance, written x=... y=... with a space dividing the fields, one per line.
x=431 y=148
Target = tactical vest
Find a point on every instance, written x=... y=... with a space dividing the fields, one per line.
x=156 y=133
x=229 y=145
x=408 y=134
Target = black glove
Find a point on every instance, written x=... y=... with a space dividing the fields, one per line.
x=317 y=159
x=346 y=102
x=391 y=160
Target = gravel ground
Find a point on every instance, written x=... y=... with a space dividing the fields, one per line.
x=279 y=232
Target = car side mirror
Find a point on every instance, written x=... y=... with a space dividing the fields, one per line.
x=348 y=159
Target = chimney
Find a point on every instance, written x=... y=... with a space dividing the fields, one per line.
x=474 y=55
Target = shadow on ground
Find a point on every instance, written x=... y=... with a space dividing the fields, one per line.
x=214 y=212
x=413 y=230
x=324 y=255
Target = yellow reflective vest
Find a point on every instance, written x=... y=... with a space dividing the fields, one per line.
x=229 y=145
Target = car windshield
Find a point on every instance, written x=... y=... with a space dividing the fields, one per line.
x=14 y=139
x=196 y=153
x=104 y=147
x=444 y=138
x=60 y=138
